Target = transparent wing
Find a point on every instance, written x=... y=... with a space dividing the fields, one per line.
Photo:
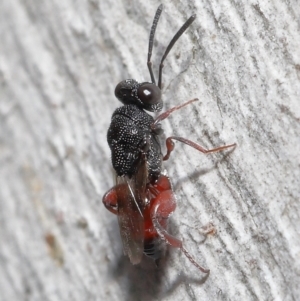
x=131 y=201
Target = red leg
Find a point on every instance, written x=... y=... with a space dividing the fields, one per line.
x=163 y=205
x=110 y=200
x=168 y=112
x=170 y=146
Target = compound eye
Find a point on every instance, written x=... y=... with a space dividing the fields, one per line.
x=118 y=88
x=149 y=94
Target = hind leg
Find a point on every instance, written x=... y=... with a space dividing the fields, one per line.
x=162 y=207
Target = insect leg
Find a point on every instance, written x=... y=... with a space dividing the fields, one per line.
x=170 y=146
x=171 y=44
x=110 y=200
x=167 y=113
x=162 y=207
x=151 y=39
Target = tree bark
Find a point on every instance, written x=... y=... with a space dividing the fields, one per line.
x=59 y=64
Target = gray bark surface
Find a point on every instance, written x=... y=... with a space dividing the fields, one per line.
x=59 y=64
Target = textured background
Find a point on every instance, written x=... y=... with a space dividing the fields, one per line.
x=59 y=64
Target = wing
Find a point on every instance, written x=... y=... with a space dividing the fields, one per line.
x=131 y=200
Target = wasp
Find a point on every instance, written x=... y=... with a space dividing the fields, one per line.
x=143 y=198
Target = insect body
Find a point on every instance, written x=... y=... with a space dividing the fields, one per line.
x=143 y=198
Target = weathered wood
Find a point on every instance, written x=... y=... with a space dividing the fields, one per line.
x=59 y=64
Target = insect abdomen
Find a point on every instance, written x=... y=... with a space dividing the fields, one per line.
x=154 y=248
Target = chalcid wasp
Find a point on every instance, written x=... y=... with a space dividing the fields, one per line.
x=143 y=198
